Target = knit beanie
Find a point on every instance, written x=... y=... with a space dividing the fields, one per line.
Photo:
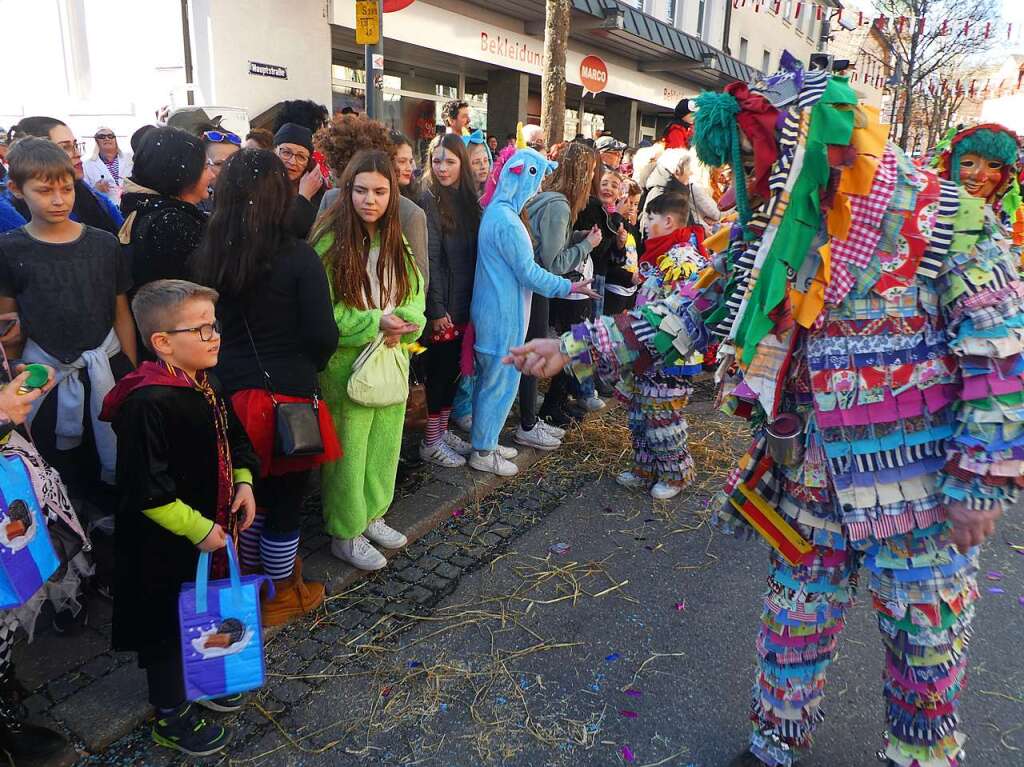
x=291 y=133
x=169 y=161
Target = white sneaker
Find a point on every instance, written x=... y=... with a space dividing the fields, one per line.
x=494 y=463
x=358 y=552
x=537 y=438
x=385 y=536
x=663 y=491
x=632 y=481
x=593 y=403
x=457 y=443
x=551 y=429
x=464 y=422
x=441 y=455
x=508 y=453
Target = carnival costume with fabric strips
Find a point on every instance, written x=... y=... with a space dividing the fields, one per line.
x=655 y=398
x=874 y=314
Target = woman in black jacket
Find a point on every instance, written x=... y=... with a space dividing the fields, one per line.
x=453 y=218
x=278 y=331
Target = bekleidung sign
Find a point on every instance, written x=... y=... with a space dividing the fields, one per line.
x=436 y=28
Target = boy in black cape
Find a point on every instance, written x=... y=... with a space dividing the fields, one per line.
x=185 y=474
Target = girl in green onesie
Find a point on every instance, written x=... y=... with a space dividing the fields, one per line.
x=376 y=288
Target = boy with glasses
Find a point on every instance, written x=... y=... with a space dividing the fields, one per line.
x=91 y=207
x=186 y=487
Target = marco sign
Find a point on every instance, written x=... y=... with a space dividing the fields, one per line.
x=593 y=74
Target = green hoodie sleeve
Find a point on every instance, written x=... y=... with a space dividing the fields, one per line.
x=181 y=519
x=557 y=255
x=356 y=327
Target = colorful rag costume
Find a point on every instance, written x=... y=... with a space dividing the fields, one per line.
x=506 y=278
x=359 y=488
x=655 y=398
x=993 y=142
x=880 y=307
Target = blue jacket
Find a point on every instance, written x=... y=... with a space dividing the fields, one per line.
x=506 y=272
x=10 y=218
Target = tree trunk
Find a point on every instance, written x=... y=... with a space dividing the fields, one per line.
x=908 y=88
x=556 y=41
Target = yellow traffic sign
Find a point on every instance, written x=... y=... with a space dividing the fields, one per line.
x=367 y=22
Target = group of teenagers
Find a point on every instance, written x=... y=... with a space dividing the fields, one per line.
x=229 y=280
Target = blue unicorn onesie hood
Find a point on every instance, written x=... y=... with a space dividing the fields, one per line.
x=506 y=276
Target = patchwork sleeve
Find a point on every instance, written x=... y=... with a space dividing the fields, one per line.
x=983 y=301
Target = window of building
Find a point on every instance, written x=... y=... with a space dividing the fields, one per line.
x=701 y=13
x=787 y=10
x=743 y=49
x=766 y=61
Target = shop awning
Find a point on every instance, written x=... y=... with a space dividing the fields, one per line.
x=659 y=47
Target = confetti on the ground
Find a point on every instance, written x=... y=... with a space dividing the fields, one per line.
x=680 y=606
x=458 y=512
x=613 y=657
x=1020 y=601
x=559 y=548
x=628 y=714
x=996 y=590
x=633 y=693
x=627 y=754
x=414 y=664
x=994 y=575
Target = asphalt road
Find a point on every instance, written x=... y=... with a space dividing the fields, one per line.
x=617 y=631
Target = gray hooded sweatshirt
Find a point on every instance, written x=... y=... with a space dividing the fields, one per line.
x=556 y=246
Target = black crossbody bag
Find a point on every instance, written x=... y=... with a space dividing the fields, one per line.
x=296 y=424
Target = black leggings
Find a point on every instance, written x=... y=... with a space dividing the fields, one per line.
x=164 y=675
x=441 y=364
x=282 y=497
x=538 y=328
x=615 y=304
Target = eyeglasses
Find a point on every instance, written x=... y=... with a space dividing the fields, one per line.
x=222 y=137
x=104 y=136
x=206 y=332
x=288 y=155
x=72 y=148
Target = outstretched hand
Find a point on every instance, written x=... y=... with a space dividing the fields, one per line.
x=541 y=358
x=584 y=289
x=971 y=527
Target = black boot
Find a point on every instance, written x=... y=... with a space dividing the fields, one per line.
x=26 y=742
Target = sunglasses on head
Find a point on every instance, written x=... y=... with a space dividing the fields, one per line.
x=104 y=136
x=222 y=137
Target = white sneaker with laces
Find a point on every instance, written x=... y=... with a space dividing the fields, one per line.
x=464 y=422
x=358 y=552
x=554 y=431
x=441 y=455
x=536 y=438
x=457 y=443
x=663 y=491
x=493 y=463
x=379 y=532
x=631 y=480
x=593 y=403
x=508 y=453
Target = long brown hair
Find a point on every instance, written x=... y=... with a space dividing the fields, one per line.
x=457 y=203
x=347 y=255
x=573 y=177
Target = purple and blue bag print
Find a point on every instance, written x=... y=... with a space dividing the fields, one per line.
x=221 y=636
x=27 y=557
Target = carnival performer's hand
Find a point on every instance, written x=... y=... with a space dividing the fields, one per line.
x=245 y=504
x=441 y=324
x=214 y=540
x=594 y=237
x=541 y=357
x=584 y=289
x=638 y=278
x=621 y=236
x=971 y=527
x=17 y=406
x=310 y=183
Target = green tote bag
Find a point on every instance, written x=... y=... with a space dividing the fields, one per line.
x=380 y=375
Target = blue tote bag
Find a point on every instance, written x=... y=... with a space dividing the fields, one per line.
x=27 y=557
x=221 y=636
